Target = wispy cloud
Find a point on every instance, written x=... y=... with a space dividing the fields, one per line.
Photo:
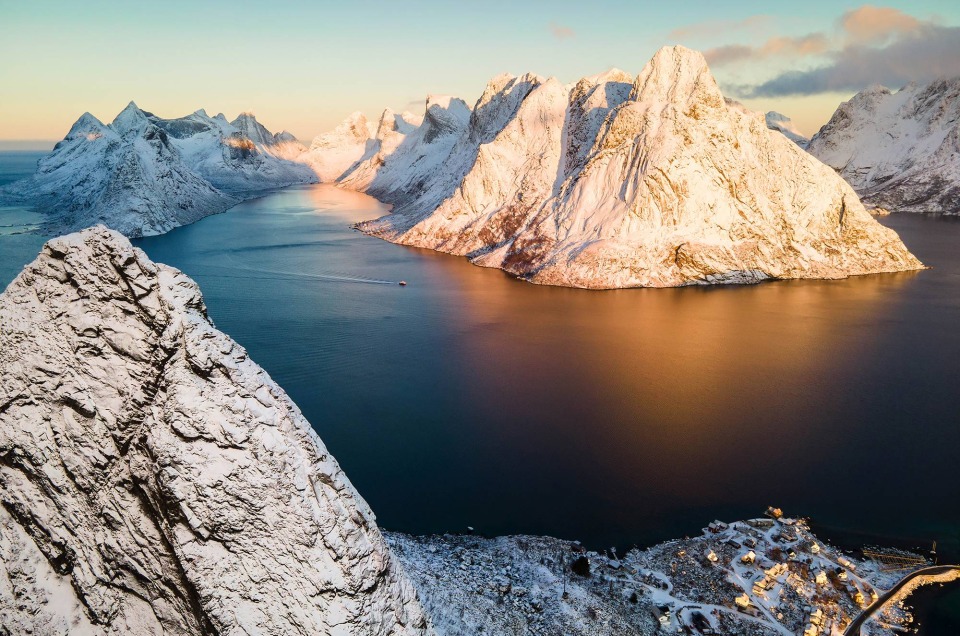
x=812 y=44
x=561 y=32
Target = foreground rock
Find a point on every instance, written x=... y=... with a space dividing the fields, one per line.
x=618 y=181
x=154 y=479
x=143 y=175
x=899 y=151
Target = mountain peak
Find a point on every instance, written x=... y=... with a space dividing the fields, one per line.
x=86 y=124
x=677 y=75
x=130 y=119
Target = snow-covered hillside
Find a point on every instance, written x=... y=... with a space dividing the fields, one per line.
x=900 y=151
x=155 y=480
x=144 y=175
x=782 y=123
x=617 y=181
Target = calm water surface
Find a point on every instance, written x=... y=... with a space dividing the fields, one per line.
x=619 y=417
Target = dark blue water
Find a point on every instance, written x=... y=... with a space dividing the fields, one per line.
x=471 y=398
x=16 y=246
x=18 y=164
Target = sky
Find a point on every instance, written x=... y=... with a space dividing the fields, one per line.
x=304 y=65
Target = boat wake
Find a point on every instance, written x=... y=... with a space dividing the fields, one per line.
x=337 y=277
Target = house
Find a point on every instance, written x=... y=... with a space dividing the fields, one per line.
x=815 y=548
x=742 y=601
x=712 y=557
x=817 y=618
x=820 y=578
x=760 y=587
x=749 y=557
x=847 y=564
x=776 y=570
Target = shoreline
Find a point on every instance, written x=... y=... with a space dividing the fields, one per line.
x=894 y=609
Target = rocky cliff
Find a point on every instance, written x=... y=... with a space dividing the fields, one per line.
x=154 y=479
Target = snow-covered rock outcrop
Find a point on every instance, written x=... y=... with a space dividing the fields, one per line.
x=143 y=175
x=622 y=182
x=154 y=479
x=900 y=151
x=783 y=124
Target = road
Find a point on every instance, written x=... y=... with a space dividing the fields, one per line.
x=854 y=628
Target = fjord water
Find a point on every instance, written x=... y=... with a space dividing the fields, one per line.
x=17 y=246
x=615 y=417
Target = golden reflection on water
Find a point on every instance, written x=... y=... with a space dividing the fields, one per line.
x=331 y=199
x=710 y=378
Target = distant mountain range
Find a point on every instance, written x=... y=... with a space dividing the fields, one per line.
x=145 y=175
x=612 y=181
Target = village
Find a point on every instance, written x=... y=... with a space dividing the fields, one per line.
x=758 y=577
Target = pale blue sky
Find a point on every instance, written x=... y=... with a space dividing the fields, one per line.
x=304 y=65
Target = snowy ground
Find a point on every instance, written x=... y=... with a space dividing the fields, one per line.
x=789 y=582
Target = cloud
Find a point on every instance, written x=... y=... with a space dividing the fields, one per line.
x=869 y=24
x=713 y=27
x=868 y=45
x=812 y=44
x=561 y=32
x=927 y=52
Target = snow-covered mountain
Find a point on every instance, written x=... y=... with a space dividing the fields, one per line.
x=155 y=480
x=332 y=153
x=900 y=151
x=144 y=175
x=782 y=123
x=617 y=181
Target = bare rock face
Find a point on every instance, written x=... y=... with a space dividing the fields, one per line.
x=154 y=479
x=618 y=181
x=900 y=151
